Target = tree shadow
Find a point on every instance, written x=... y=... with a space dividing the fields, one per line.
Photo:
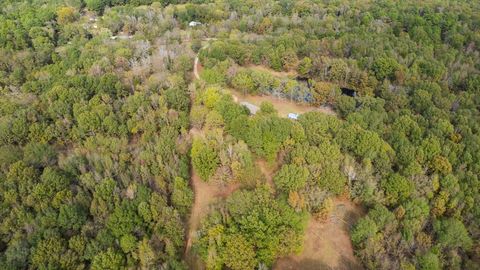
x=350 y=218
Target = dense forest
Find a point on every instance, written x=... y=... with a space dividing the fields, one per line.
x=105 y=127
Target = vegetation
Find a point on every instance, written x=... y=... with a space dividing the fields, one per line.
x=102 y=123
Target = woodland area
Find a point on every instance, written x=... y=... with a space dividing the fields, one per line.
x=103 y=127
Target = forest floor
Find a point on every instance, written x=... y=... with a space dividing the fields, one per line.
x=327 y=243
x=267 y=170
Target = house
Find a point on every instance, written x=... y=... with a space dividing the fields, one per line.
x=252 y=108
x=293 y=116
x=194 y=23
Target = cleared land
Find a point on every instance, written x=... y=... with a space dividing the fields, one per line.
x=279 y=74
x=327 y=244
x=283 y=106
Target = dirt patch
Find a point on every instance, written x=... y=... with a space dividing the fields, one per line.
x=197 y=68
x=327 y=244
x=268 y=171
x=195 y=132
x=283 y=106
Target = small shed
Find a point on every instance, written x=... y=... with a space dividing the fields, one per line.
x=252 y=108
x=194 y=23
x=293 y=116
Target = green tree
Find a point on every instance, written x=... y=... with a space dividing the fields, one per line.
x=305 y=66
x=204 y=159
x=66 y=15
x=108 y=260
x=210 y=97
x=124 y=219
x=429 y=261
x=267 y=108
x=182 y=195
x=451 y=233
x=243 y=81
x=128 y=243
x=239 y=253
x=291 y=178
x=146 y=254
x=47 y=253
x=385 y=67
x=397 y=188
x=71 y=217
x=39 y=154
x=364 y=229
x=345 y=105
x=96 y=5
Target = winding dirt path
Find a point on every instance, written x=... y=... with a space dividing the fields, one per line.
x=195 y=68
x=206 y=195
x=326 y=244
x=196 y=62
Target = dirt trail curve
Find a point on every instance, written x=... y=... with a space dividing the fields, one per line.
x=196 y=61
